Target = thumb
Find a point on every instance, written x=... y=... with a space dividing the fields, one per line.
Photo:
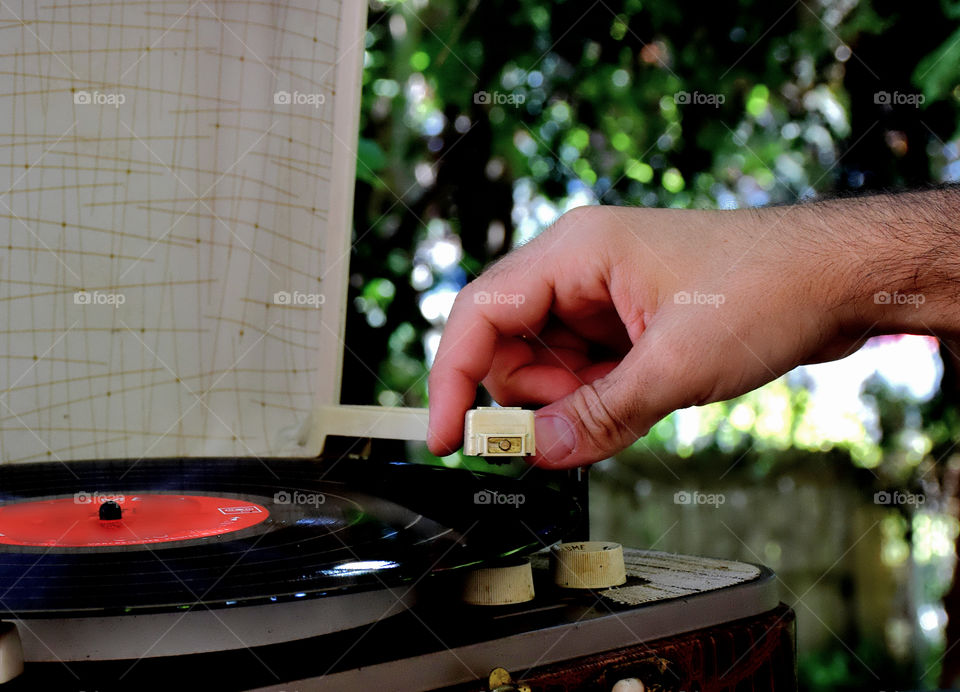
x=602 y=417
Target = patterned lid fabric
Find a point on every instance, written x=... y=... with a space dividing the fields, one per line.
x=175 y=188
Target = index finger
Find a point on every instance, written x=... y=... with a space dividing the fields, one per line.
x=519 y=305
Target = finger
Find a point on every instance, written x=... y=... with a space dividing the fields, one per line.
x=607 y=414
x=527 y=280
x=557 y=335
x=604 y=327
x=556 y=353
x=524 y=373
x=545 y=384
x=533 y=384
x=469 y=341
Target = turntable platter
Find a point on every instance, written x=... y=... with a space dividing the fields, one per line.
x=231 y=532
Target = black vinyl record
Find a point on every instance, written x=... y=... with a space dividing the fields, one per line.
x=328 y=527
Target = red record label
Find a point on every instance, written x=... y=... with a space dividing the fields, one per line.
x=74 y=522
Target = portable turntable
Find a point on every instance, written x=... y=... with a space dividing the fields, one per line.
x=183 y=498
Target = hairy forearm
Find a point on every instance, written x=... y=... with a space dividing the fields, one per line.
x=887 y=262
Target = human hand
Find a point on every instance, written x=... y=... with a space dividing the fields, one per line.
x=614 y=317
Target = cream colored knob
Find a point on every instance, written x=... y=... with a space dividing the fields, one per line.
x=11 y=652
x=588 y=565
x=510 y=582
x=629 y=685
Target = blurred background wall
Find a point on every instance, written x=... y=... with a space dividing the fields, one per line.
x=483 y=120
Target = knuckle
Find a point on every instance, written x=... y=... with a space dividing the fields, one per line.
x=499 y=384
x=600 y=427
x=574 y=216
x=466 y=297
x=495 y=386
x=464 y=293
x=572 y=224
x=582 y=221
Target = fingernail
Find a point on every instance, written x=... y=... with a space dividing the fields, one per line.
x=555 y=438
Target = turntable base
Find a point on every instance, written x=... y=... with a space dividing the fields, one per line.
x=706 y=625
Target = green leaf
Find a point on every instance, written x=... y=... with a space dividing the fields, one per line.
x=939 y=72
x=370 y=159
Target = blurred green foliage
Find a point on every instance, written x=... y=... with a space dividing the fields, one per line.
x=482 y=120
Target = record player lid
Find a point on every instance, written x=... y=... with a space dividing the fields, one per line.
x=177 y=221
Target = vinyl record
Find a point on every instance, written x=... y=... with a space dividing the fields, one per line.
x=154 y=535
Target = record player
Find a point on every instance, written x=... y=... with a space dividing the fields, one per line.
x=183 y=498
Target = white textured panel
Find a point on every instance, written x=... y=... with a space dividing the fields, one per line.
x=187 y=192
